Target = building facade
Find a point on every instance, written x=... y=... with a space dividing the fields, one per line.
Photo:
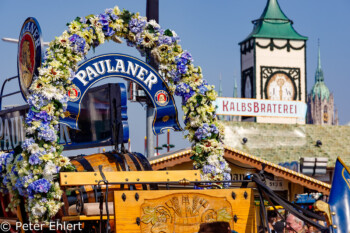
x=273 y=61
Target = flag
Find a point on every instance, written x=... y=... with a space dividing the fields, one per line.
x=339 y=198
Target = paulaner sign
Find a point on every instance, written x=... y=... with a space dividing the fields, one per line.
x=29 y=54
x=130 y=68
x=254 y=107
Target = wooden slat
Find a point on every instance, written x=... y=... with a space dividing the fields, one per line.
x=92 y=178
x=12 y=221
x=183 y=210
x=85 y=218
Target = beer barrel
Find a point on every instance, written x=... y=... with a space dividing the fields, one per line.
x=110 y=161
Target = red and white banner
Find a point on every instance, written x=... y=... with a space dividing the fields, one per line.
x=255 y=107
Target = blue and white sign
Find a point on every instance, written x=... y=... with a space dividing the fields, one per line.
x=30 y=54
x=130 y=68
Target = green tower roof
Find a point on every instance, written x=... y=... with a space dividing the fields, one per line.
x=273 y=23
x=320 y=89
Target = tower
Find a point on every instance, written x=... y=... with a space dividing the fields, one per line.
x=320 y=101
x=273 y=61
x=235 y=95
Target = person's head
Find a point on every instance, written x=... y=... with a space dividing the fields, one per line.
x=279 y=226
x=312 y=229
x=215 y=227
x=272 y=217
x=294 y=223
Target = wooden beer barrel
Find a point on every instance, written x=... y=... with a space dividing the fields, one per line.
x=110 y=161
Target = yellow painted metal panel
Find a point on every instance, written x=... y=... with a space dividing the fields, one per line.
x=92 y=178
x=183 y=210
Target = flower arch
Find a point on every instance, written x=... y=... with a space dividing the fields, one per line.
x=31 y=171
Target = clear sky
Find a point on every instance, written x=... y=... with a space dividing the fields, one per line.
x=210 y=30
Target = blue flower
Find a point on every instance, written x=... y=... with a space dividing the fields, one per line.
x=165 y=40
x=37 y=101
x=185 y=91
x=34 y=159
x=181 y=89
x=181 y=67
x=83 y=20
x=78 y=43
x=6 y=179
x=187 y=56
x=227 y=176
x=203 y=132
x=39 y=186
x=137 y=25
x=47 y=134
x=109 y=31
x=214 y=129
x=209 y=169
x=175 y=75
x=114 y=17
x=27 y=142
x=103 y=19
x=202 y=89
x=109 y=11
x=187 y=96
x=30 y=117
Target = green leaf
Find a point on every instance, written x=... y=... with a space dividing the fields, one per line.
x=60 y=149
x=198 y=149
x=41 y=143
x=223 y=216
x=34 y=109
x=168 y=33
x=150 y=215
x=199 y=99
x=150 y=28
x=126 y=16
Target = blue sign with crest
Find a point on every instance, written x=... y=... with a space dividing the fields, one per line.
x=130 y=68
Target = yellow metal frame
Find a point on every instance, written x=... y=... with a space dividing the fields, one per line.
x=92 y=178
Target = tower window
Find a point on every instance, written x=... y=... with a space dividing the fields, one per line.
x=325 y=114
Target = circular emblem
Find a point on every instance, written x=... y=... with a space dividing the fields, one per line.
x=162 y=98
x=165 y=118
x=29 y=54
x=74 y=93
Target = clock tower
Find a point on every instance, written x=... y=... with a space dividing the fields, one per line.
x=273 y=61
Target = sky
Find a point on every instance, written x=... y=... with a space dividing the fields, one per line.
x=209 y=30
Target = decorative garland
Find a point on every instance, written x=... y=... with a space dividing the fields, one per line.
x=32 y=170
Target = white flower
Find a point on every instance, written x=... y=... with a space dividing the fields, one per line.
x=49 y=170
x=154 y=23
x=33 y=148
x=53 y=207
x=38 y=210
x=51 y=92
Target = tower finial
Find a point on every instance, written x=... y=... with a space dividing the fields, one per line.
x=319 y=73
x=235 y=88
